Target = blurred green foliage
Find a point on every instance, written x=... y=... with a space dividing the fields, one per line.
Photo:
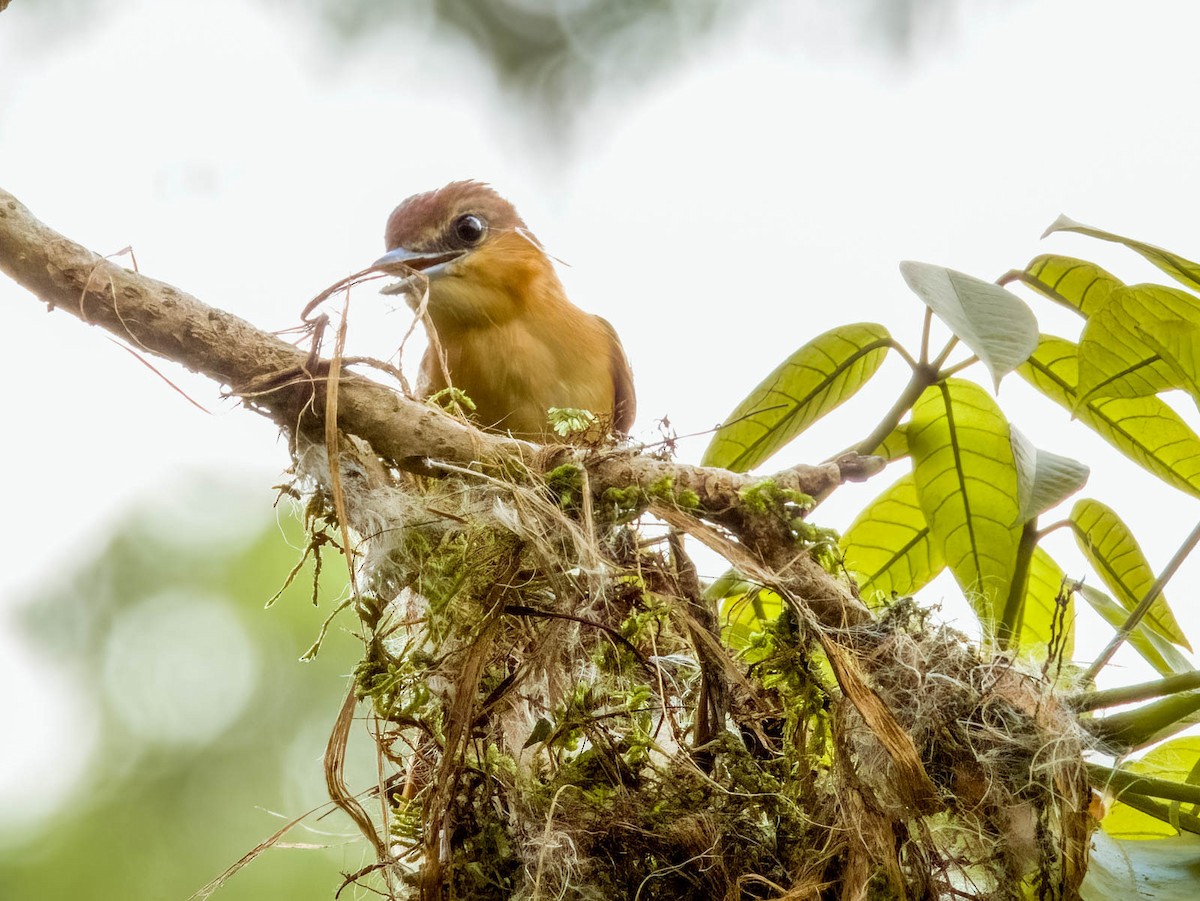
x=555 y=51
x=156 y=620
x=556 y=54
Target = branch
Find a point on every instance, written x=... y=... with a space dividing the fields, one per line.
x=157 y=318
x=273 y=378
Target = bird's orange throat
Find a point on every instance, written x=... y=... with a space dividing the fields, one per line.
x=505 y=279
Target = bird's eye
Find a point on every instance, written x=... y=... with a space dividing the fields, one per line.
x=469 y=229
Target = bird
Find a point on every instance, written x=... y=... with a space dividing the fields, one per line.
x=510 y=338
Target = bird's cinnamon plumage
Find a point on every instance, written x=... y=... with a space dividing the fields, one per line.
x=512 y=340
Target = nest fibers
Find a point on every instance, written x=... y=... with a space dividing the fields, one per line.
x=561 y=721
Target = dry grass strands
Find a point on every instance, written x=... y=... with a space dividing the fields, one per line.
x=547 y=679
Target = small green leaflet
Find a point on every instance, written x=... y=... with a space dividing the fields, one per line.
x=888 y=546
x=1117 y=558
x=1145 y=429
x=744 y=607
x=997 y=325
x=1042 y=619
x=1076 y=284
x=895 y=445
x=821 y=375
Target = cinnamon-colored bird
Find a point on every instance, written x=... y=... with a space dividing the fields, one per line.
x=512 y=341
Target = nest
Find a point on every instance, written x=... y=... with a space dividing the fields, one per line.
x=560 y=717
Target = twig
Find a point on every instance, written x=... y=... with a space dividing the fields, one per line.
x=1144 y=605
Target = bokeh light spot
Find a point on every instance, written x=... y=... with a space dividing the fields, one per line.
x=179 y=668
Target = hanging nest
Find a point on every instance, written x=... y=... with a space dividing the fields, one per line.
x=561 y=717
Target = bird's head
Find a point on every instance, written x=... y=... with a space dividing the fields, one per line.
x=475 y=251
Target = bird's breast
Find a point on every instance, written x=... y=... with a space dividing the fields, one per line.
x=514 y=371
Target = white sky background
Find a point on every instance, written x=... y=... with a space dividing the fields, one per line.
x=719 y=217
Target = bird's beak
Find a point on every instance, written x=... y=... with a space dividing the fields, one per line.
x=404 y=262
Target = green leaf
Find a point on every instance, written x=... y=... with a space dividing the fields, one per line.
x=1043 y=615
x=821 y=375
x=1145 y=429
x=1126 y=870
x=745 y=607
x=894 y=446
x=966 y=482
x=1076 y=284
x=1182 y=270
x=888 y=546
x=1178 y=343
x=1155 y=650
x=997 y=325
x=1117 y=558
x=1044 y=479
x=1177 y=760
x=541 y=731
x=1114 y=360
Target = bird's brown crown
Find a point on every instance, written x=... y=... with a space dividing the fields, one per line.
x=426 y=222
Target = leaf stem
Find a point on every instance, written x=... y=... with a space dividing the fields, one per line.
x=1010 y=620
x=926 y=329
x=1128 y=694
x=1054 y=527
x=944 y=355
x=1168 y=813
x=959 y=367
x=1123 y=781
x=1143 y=606
x=908 y=358
x=923 y=376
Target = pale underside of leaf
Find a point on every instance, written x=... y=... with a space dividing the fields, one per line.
x=1132 y=870
x=818 y=377
x=1145 y=429
x=994 y=323
x=1044 y=479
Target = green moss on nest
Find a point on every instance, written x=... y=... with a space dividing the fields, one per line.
x=542 y=683
x=566 y=485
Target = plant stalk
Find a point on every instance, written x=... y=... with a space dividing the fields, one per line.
x=1143 y=606
x=1143 y=691
x=923 y=376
